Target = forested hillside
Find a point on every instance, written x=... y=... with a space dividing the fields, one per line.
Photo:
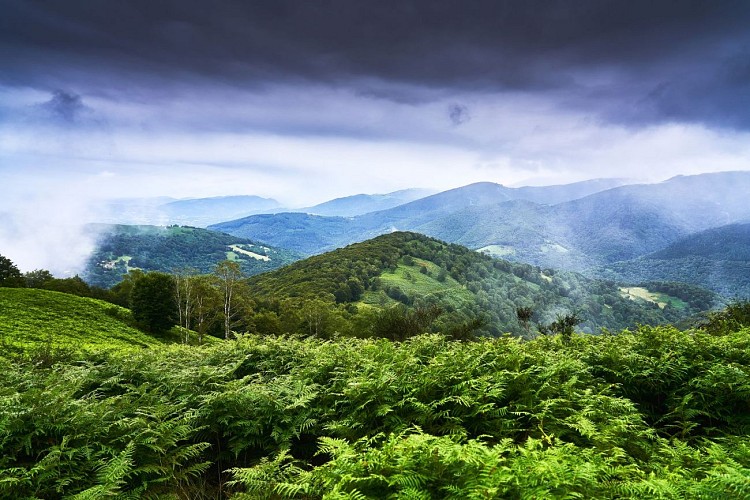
x=351 y=287
x=717 y=259
x=155 y=248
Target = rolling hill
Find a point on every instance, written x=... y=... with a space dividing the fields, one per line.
x=354 y=283
x=156 y=248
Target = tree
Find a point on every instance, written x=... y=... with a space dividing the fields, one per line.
x=524 y=315
x=184 y=296
x=564 y=325
x=442 y=275
x=400 y=323
x=10 y=276
x=207 y=302
x=229 y=277
x=37 y=278
x=317 y=318
x=72 y=286
x=120 y=293
x=153 y=302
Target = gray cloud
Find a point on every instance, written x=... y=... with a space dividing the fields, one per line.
x=65 y=106
x=458 y=114
x=630 y=62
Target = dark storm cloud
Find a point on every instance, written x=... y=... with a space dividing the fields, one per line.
x=630 y=61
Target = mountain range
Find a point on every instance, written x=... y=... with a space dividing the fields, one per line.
x=201 y=212
x=604 y=228
x=551 y=226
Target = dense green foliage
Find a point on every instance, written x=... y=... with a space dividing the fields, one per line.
x=733 y=317
x=167 y=249
x=367 y=278
x=652 y=413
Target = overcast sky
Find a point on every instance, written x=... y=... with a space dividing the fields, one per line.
x=308 y=100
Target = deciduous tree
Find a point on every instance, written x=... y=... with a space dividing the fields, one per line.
x=230 y=281
x=10 y=276
x=153 y=302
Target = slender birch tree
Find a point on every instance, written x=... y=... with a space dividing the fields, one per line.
x=229 y=277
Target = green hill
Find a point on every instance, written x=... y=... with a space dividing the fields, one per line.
x=40 y=319
x=156 y=248
x=421 y=272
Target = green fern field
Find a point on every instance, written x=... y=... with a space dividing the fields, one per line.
x=650 y=413
x=40 y=319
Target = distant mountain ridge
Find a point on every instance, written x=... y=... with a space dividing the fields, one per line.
x=613 y=225
x=201 y=212
x=314 y=234
x=358 y=204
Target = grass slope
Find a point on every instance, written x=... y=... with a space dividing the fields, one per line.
x=417 y=284
x=35 y=319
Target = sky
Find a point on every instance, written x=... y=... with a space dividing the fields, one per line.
x=304 y=101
